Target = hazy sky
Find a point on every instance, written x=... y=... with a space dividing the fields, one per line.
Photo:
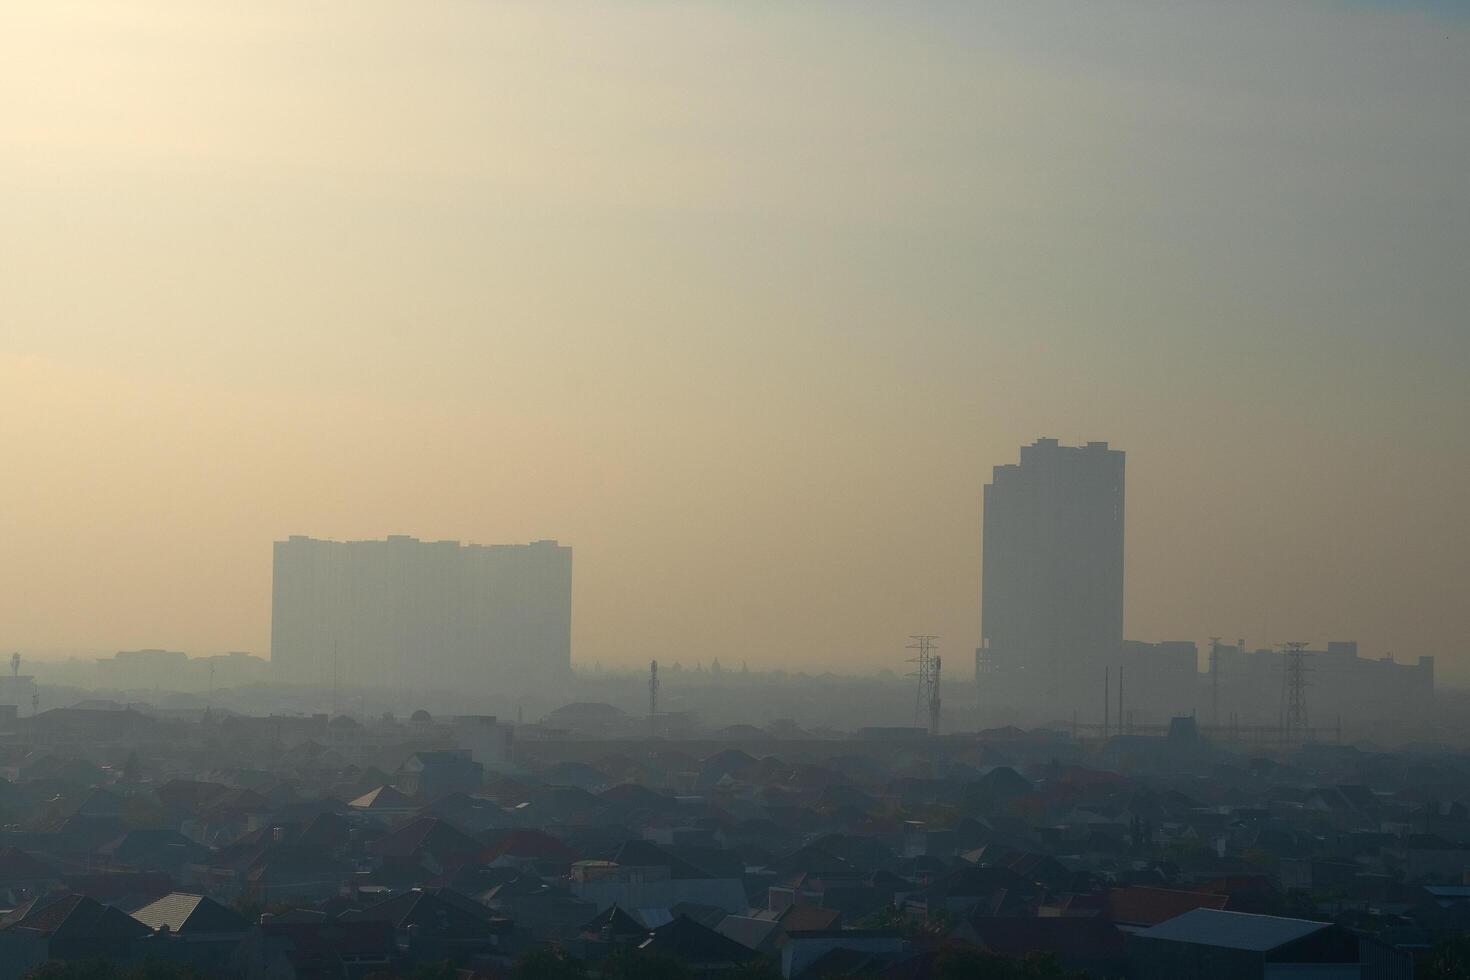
x=742 y=300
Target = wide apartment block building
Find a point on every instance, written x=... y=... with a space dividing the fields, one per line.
x=421 y=615
x=1051 y=605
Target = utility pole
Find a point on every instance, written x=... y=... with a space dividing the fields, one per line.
x=1121 y=729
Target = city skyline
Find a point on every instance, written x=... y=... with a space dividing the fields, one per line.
x=1073 y=488
x=744 y=306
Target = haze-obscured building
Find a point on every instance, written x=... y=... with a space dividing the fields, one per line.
x=1051 y=605
x=171 y=670
x=421 y=614
x=1340 y=686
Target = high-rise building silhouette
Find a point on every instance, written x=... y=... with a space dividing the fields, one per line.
x=421 y=614
x=1051 y=606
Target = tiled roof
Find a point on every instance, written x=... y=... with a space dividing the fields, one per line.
x=384 y=797
x=182 y=912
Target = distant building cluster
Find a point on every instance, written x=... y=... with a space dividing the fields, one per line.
x=421 y=615
x=331 y=846
x=171 y=670
x=1052 y=620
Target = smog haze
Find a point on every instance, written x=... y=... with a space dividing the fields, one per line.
x=743 y=302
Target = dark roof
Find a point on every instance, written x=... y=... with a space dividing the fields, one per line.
x=687 y=940
x=1070 y=937
x=811 y=860
x=1143 y=906
x=616 y=921
x=524 y=844
x=633 y=796
x=17 y=865
x=1003 y=781
x=748 y=931
x=192 y=914
x=437 y=912
x=642 y=853
x=1233 y=930
x=425 y=835
x=73 y=916
x=974 y=882
x=325 y=940
x=325 y=830
x=798 y=918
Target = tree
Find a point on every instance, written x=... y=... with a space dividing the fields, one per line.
x=1449 y=959
x=160 y=970
x=761 y=969
x=964 y=962
x=627 y=963
x=74 y=970
x=100 y=969
x=548 y=963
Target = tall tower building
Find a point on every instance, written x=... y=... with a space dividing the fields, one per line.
x=421 y=614
x=1051 y=603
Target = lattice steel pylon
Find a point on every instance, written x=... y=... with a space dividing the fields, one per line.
x=927 y=664
x=1215 y=681
x=1294 y=692
x=934 y=698
x=653 y=697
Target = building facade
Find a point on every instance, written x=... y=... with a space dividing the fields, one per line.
x=421 y=614
x=1051 y=605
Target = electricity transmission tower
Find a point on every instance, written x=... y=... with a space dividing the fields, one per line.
x=1215 y=681
x=927 y=670
x=653 y=697
x=1294 y=692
